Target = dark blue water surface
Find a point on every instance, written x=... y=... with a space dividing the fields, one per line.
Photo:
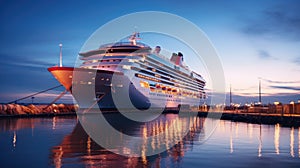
x=62 y=142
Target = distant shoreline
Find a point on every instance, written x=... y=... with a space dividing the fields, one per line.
x=255 y=118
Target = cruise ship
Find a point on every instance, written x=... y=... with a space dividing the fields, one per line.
x=130 y=75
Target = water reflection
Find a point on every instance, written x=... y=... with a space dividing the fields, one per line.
x=260 y=142
x=17 y=124
x=14 y=125
x=261 y=135
x=16 y=132
x=62 y=142
x=54 y=123
x=79 y=146
x=292 y=142
x=276 y=138
x=231 y=139
x=14 y=139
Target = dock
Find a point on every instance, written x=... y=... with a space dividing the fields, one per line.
x=31 y=110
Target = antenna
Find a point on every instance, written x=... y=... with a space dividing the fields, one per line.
x=135 y=29
x=134 y=37
x=60 y=55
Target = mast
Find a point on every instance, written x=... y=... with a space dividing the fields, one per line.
x=134 y=37
x=60 y=55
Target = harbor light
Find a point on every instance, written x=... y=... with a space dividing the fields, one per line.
x=293 y=103
x=276 y=103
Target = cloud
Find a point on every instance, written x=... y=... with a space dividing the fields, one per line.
x=278 y=21
x=264 y=54
x=279 y=82
x=296 y=60
x=287 y=88
x=22 y=61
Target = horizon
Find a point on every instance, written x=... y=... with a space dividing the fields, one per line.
x=255 y=41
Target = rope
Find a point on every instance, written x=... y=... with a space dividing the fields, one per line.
x=35 y=94
x=58 y=97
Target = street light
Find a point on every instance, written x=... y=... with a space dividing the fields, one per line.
x=277 y=103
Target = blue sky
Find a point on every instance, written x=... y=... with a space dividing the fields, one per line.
x=254 y=39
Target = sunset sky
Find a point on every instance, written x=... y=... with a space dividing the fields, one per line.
x=254 y=39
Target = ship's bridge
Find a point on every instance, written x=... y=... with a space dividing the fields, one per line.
x=119 y=47
x=122 y=44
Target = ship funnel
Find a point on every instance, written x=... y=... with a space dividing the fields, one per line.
x=177 y=58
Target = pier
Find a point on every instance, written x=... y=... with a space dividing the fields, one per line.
x=31 y=110
x=277 y=113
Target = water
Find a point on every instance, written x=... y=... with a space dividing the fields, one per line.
x=62 y=142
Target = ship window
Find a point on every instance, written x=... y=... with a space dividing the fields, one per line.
x=152 y=89
x=165 y=78
x=144 y=84
x=123 y=50
x=147 y=77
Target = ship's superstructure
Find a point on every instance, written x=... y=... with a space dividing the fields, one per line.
x=132 y=68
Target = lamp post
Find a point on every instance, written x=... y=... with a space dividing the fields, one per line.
x=276 y=103
x=293 y=105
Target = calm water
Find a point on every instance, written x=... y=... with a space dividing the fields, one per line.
x=62 y=142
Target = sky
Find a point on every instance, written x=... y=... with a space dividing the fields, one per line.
x=255 y=40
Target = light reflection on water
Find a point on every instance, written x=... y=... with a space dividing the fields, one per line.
x=62 y=142
x=276 y=138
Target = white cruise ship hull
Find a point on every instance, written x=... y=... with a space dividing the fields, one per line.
x=114 y=90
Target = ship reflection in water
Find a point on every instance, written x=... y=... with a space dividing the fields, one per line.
x=79 y=145
x=62 y=142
